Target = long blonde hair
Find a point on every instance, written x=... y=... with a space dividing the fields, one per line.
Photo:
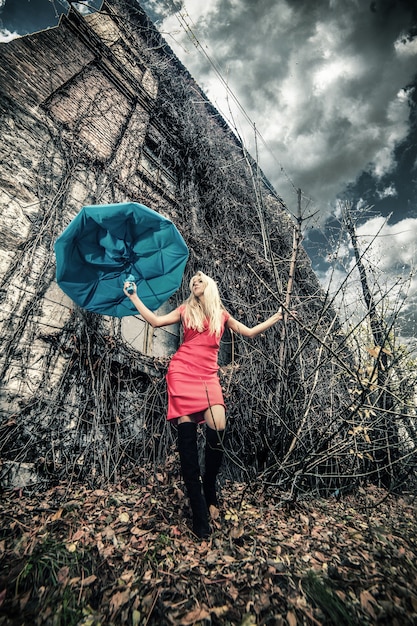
x=196 y=313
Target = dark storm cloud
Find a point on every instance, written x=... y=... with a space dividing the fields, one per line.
x=325 y=82
x=325 y=75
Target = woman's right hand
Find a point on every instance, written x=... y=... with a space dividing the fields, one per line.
x=128 y=285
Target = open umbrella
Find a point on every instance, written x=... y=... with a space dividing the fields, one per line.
x=104 y=244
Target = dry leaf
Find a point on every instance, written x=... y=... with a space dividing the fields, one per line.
x=214 y=512
x=78 y=535
x=236 y=532
x=366 y=602
x=118 y=599
x=227 y=558
x=127 y=576
x=62 y=575
x=219 y=611
x=233 y=592
x=56 y=515
x=194 y=616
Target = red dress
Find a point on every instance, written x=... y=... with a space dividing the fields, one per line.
x=192 y=379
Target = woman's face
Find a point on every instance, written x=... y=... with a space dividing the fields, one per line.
x=198 y=286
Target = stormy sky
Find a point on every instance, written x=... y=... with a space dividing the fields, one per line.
x=330 y=86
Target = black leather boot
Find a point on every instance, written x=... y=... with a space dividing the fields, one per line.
x=190 y=467
x=213 y=456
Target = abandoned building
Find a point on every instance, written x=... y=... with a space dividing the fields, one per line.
x=99 y=110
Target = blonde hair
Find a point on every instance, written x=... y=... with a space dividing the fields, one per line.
x=196 y=313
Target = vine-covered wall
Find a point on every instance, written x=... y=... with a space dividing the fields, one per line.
x=99 y=110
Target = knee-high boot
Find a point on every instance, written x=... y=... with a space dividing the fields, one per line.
x=190 y=467
x=213 y=456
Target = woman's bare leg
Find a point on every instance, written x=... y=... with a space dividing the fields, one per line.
x=183 y=419
x=215 y=417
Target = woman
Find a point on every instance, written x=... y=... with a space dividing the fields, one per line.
x=194 y=391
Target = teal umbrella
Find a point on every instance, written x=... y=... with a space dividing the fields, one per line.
x=105 y=244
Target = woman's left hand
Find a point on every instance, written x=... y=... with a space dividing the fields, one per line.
x=290 y=314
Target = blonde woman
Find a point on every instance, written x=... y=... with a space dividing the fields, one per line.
x=194 y=392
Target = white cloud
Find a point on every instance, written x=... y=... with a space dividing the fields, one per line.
x=82 y=8
x=405 y=47
x=391 y=247
x=6 y=35
x=388 y=192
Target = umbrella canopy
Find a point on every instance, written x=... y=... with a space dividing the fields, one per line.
x=105 y=243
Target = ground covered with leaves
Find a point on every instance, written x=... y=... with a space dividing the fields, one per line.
x=125 y=555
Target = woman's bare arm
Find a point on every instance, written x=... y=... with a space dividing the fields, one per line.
x=246 y=331
x=154 y=320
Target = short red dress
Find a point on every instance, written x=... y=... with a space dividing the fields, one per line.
x=192 y=379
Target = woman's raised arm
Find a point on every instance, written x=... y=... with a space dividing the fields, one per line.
x=154 y=320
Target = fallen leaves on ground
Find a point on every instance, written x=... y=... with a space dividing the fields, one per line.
x=125 y=555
